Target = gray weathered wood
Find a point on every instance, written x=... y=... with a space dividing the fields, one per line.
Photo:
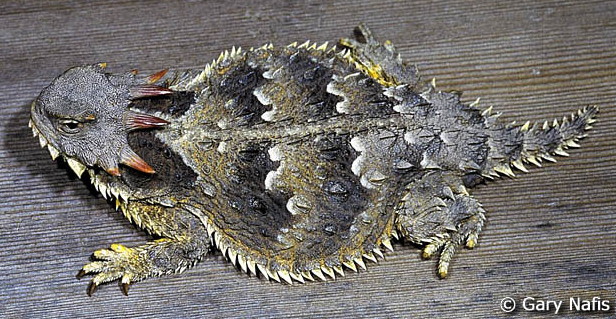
x=550 y=233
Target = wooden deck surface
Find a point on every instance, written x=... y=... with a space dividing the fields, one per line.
x=550 y=234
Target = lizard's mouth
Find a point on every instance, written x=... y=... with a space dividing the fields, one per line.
x=77 y=166
x=108 y=191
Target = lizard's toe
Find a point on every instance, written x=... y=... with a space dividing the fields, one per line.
x=118 y=262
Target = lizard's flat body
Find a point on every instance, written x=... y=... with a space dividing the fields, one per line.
x=294 y=161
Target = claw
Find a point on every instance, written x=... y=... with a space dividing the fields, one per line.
x=431 y=248
x=81 y=274
x=471 y=242
x=124 y=287
x=92 y=289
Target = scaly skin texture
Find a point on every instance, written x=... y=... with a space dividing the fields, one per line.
x=294 y=161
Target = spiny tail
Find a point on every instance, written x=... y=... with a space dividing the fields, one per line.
x=515 y=145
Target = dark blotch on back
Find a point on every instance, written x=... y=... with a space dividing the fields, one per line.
x=260 y=213
x=313 y=77
x=171 y=172
x=343 y=197
x=174 y=104
x=237 y=85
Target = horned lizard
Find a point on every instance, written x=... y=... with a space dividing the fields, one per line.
x=296 y=162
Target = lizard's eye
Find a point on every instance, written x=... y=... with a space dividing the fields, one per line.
x=69 y=126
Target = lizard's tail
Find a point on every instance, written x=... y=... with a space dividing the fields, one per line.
x=514 y=145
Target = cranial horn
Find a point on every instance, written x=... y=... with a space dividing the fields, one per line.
x=147 y=90
x=135 y=120
x=156 y=76
x=131 y=159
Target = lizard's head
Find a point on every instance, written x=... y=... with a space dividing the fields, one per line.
x=84 y=116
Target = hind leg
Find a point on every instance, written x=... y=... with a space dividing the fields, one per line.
x=438 y=212
x=380 y=61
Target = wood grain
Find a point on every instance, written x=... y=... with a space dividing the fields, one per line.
x=550 y=233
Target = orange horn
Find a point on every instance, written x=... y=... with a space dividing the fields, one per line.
x=147 y=90
x=156 y=76
x=131 y=159
x=135 y=120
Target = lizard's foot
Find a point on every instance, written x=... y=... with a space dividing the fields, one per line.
x=160 y=257
x=466 y=233
x=118 y=262
x=380 y=60
x=438 y=212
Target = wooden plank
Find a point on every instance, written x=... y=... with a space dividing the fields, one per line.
x=550 y=233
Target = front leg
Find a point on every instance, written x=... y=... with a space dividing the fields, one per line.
x=437 y=212
x=183 y=242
